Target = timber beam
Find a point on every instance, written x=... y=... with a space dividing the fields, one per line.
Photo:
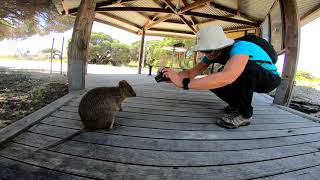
x=173 y=9
x=152 y=23
x=292 y=44
x=78 y=50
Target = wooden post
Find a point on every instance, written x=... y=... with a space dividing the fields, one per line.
x=51 y=56
x=141 y=51
x=61 y=55
x=292 y=38
x=78 y=49
x=144 y=55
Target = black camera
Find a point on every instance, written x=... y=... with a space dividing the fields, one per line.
x=160 y=77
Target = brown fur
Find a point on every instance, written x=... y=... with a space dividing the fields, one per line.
x=98 y=106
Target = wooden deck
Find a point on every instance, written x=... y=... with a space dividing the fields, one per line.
x=163 y=133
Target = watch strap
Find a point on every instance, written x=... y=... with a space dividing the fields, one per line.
x=185 y=83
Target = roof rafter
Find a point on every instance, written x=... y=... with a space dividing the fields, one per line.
x=152 y=23
x=235 y=12
x=238 y=7
x=193 y=20
x=142 y=14
x=114 y=25
x=119 y=19
x=172 y=7
x=222 y=18
x=160 y=10
x=66 y=11
x=192 y=6
x=99 y=4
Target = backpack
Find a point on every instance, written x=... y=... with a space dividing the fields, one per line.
x=265 y=45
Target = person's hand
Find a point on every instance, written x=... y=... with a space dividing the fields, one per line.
x=173 y=76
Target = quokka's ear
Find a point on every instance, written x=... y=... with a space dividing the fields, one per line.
x=123 y=83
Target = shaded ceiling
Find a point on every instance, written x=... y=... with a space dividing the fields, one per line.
x=183 y=17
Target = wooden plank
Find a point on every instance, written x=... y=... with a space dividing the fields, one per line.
x=40 y=140
x=180 y=135
x=202 y=113
x=104 y=169
x=177 y=108
x=208 y=127
x=15 y=169
x=69 y=123
x=311 y=173
x=178 y=159
x=207 y=114
x=13 y=129
x=36 y=140
x=164 y=118
x=182 y=98
x=186 y=104
x=169 y=103
x=212 y=135
x=53 y=130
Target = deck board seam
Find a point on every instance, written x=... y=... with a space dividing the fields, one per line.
x=105 y=132
x=222 y=130
x=132 y=118
x=285 y=172
x=158 y=150
x=149 y=165
x=185 y=116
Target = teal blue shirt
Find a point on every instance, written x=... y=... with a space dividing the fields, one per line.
x=255 y=53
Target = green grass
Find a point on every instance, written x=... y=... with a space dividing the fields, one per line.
x=306 y=77
x=11 y=57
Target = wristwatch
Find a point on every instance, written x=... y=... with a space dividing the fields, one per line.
x=185 y=83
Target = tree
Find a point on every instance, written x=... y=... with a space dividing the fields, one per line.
x=134 y=51
x=154 y=51
x=21 y=18
x=99 y=48
x=103 y=49
x=119 y=54
x=55 y=52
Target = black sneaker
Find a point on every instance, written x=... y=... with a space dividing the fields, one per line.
x=233 y=120
x=229 y=109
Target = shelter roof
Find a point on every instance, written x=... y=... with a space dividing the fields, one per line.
x=184 y=17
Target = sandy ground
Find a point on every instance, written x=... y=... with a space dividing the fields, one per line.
x=23 y=92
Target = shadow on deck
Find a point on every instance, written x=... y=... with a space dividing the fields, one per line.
x=163 y=133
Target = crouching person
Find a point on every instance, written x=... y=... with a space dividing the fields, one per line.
x=247 y=68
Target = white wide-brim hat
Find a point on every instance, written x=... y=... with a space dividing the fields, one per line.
x=211 y=38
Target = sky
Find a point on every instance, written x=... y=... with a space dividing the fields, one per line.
x=309 y=59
